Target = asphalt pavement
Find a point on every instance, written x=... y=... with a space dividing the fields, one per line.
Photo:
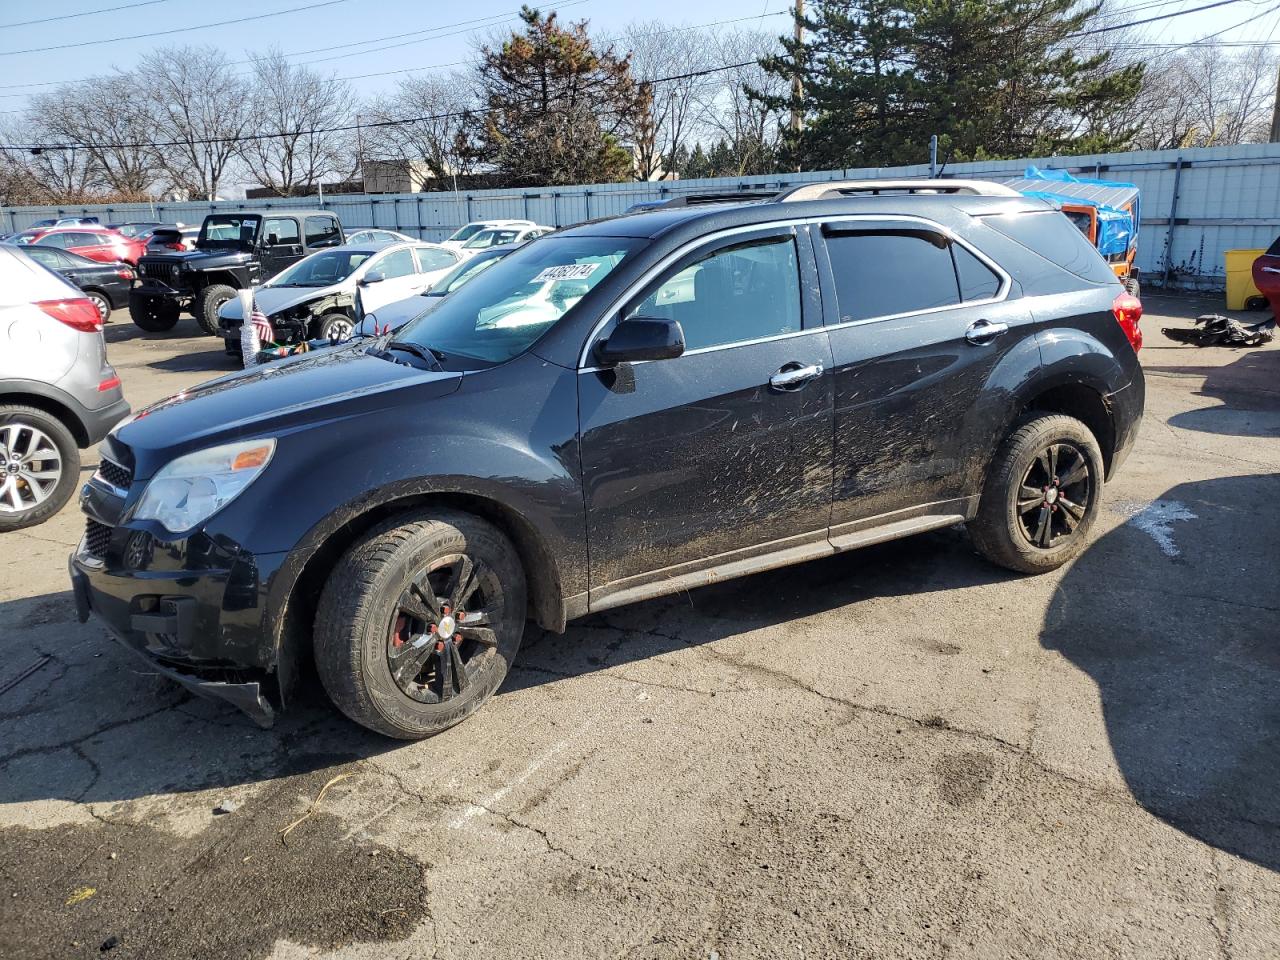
x=900 y=752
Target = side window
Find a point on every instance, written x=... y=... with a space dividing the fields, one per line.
x=430 y=259
x=55 y=240
x=977 y=280
x=322 y=231
x=47 y=256
x=737 y=293
x=1053 y=237
x=397 y=264
x=284 y=230
x=883 y=273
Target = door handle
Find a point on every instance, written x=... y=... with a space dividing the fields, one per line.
x=792 y=377
x=984 y=331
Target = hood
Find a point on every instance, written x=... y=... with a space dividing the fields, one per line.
x=272 y=300
x=199 y=258
x=277 y=399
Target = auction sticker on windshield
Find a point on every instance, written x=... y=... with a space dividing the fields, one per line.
x=570 y=271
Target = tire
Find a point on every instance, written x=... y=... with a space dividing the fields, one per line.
x=1008 y=528
x=330 y=323
x=102 y=303
x=370 y=611
x=152 y=314
x=1133 y=286
x=206 y=306
x=25 y=434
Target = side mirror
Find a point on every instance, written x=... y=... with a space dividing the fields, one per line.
x=373 y=276
x=641 y=338
x=273 y=240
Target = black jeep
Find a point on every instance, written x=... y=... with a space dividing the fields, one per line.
x=235 y=250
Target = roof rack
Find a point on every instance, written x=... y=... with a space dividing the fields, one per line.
x=727 y=196
x=830 y=189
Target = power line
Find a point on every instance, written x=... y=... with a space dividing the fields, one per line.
x=166 y=33
x=346 y=128
x=1138 y=23
x=86 y=13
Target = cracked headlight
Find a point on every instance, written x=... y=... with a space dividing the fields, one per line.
x=192 y=488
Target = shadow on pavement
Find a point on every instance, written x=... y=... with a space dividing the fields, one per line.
x=1185 y=652
x=1248 y=389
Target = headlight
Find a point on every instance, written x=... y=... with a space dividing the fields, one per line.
x=193 y=488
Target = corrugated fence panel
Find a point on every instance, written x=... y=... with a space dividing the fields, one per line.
x=1227 y=198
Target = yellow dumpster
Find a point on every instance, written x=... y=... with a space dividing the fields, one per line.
x=1240 y=287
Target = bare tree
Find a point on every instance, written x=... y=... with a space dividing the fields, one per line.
x=749 y=127
x=658 y=51
x=299 y=104
x=56 y=173
x=200 y=109
x=438 y=108
x=109 y=130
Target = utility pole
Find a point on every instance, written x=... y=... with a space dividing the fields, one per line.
x=1275 y=112
x=797 y=84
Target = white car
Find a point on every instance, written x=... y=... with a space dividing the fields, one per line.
x=316 y=297
x=465 y=233
x=378 y=235
x=497 y=236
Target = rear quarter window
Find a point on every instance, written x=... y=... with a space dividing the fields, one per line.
x=1053 y=237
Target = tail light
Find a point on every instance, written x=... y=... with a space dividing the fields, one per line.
x=1128 y=311
x=124 y=273
x=78 y=313
x=175 y=245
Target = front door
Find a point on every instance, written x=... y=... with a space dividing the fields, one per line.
x=724 y=452
x=281 y=244
x=919 y=322
x=400 y=280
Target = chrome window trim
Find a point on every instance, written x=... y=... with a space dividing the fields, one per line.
x=1006 y=281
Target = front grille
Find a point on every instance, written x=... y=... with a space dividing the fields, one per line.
x=114 y=474
x=96 y=538
x=164 y=272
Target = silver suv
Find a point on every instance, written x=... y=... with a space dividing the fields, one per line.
x=58 y=394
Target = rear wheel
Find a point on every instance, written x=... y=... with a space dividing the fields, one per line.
x=419 y=623
x=39 y=466
x=153 y=314
x=207 y=304
x=1133 y=286
x=102 y=303
x=1041 y=497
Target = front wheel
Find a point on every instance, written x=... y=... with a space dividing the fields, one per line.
x=334 y=326
x=1041 y=497
x=208 y=302
x=419 y=623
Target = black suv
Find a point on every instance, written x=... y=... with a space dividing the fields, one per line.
x=624 y=409
x=234 y=251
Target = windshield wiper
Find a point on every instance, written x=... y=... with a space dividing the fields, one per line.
x=434 y=357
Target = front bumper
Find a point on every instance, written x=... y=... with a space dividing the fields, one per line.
x=191 y=609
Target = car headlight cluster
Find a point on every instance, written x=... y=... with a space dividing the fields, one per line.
x=192 y=488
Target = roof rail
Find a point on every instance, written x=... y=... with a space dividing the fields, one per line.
x=830 y=189
x=727 y=196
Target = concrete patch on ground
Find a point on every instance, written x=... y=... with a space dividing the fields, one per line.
x=1156 y=520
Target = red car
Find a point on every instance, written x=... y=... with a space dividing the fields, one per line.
x=96 y=243
x=1266 y=275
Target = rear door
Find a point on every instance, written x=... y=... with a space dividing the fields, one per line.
x=322 y=231
x=433 y=263
x=918 y=321
x=724 y=452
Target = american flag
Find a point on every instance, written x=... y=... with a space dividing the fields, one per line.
x=260 y=324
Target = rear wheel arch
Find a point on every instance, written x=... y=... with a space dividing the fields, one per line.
x=296 y=604
x=54 y=408
x=1084 y=403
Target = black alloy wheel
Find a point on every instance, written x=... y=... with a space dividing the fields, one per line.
x=442 y=628
x=1055 y=495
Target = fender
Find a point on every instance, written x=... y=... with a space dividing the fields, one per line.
x=57 y=401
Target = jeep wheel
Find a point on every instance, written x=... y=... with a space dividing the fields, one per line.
x=335 y=326
x=420 y=622
x=152 y=314
x=39 y=466
x=1041 y=497
x=1133 y=286
x=207 y=304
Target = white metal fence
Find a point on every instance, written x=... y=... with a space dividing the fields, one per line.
x=1196 y=203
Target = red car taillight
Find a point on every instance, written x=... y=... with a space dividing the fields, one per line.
x=174 y=246
x=77 y=313
x=1128 y=311
x=124 y=273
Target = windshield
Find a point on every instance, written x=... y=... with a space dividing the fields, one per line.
x=321 y=269
x=510 y=305
x=467 y=232
x=491 y=238
x=467 y=270
x=229 y=230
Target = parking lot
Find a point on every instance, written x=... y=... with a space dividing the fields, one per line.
x=897 y=752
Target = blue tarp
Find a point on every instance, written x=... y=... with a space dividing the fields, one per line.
x=1117 y=228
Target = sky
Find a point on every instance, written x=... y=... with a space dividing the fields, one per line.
x=372 y=42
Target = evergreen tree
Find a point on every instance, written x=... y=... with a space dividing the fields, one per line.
x=696 y=165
